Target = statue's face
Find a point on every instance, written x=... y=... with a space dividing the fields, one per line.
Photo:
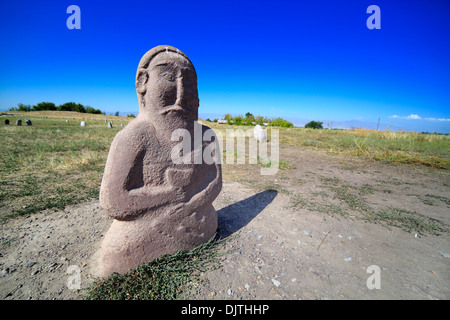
x=171 y=88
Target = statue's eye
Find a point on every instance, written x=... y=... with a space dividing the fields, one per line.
x=168 y=76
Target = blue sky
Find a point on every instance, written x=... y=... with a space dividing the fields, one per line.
x=300 y=60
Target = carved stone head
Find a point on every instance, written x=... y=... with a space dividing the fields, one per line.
x=166 y=85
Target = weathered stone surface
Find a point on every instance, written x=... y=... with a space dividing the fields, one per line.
x=6 y=121
x=82 y=124
x=18 y=122
x=158 y=206
x=28 y=122
x=110 y=125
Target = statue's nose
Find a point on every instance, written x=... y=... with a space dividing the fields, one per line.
x=180 y=91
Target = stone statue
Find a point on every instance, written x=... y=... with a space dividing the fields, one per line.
x=158 y=206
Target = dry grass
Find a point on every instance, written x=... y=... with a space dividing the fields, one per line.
x=52 y=163
x=391 y=147
x=386 y=146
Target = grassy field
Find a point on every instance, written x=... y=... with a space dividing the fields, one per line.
x=55 y=163
x=52 y=163
x=390 y=147
x=386 y=146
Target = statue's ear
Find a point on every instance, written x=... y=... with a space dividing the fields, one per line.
x=141 y=80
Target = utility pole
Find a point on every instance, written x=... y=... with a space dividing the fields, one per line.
x=378 y=123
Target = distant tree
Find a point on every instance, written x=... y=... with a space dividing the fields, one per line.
x=259 y=120
x=208 y=119
x=21 y=107
x=41 y=106
x=80 y=108
x=93 y=110
x=116 y=114
x=70 y=106
x=279 y=122
x=314 y=125
x=131 y=115
x=215 y=120
x=249 y=119
x=228 y=117
x=238 y=120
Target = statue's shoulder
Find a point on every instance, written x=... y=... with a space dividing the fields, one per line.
x=138 y=131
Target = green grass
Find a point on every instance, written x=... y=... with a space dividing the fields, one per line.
x=390 y=147
x=385 y=146
x=53 y=164
x=353 y=201
x=166 y=278
x=354 y=205
x=441 y=198
x=50 y=164
x=298 y=201
x=331 y=180
x=280 y=164
x=408 y=221
x=425 y=199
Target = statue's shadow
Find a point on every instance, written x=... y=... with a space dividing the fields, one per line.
x=237 y=215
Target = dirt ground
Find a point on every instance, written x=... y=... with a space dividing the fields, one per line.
x=293 y=236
